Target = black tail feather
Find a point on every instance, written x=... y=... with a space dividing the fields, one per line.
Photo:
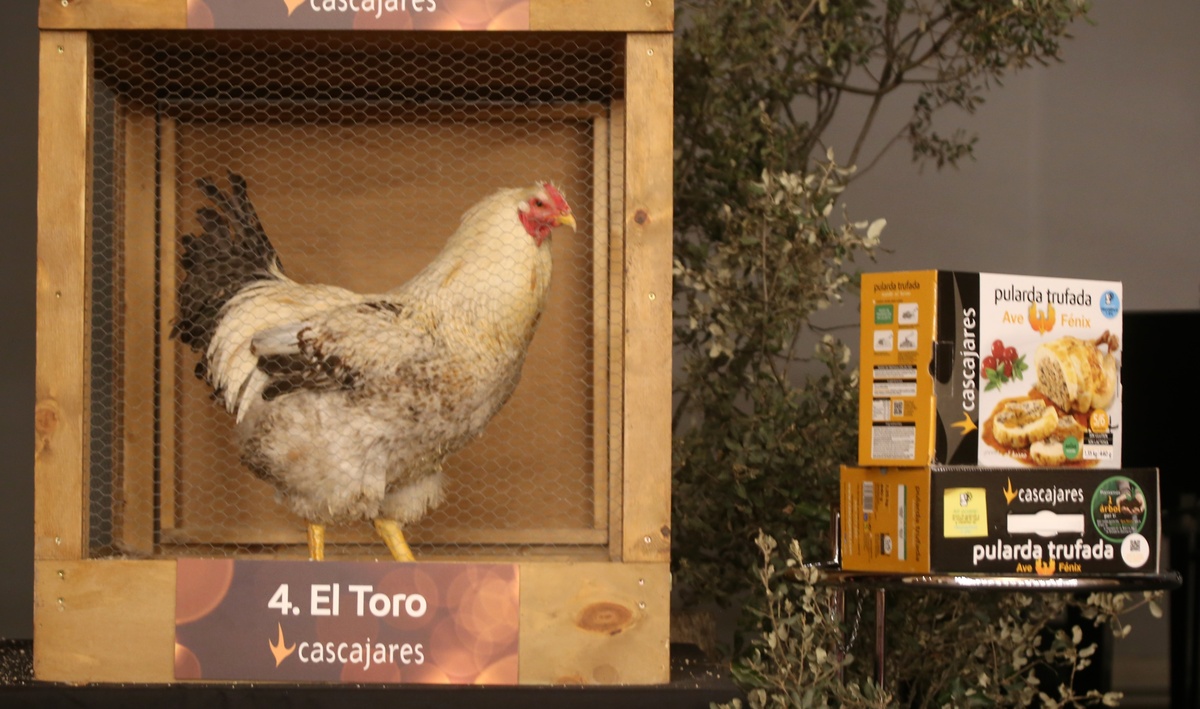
x=231 y=251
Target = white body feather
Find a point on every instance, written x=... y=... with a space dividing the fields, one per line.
x=413 y=374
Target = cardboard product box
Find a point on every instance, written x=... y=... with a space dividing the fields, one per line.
x=1059 y=522
x=990 y=370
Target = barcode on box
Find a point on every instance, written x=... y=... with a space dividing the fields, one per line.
x=868 y=497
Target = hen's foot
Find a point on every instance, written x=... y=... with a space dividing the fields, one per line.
x=316 y=542
x=394 y=538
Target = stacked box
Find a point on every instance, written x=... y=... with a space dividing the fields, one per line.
x=990 y=431
x=989 y=370
x=1021 y=521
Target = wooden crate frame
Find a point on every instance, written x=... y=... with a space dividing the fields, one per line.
x=113 y=620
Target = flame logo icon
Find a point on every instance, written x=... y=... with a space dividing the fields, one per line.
x=1009 y=493
x=1039 y=321
x=1046 y=569
x=280 y=650
x=966 y=425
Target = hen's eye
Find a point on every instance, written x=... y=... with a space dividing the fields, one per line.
x=538 y=203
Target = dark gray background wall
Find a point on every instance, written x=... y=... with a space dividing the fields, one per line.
x=1087 y=169
x=18 y=248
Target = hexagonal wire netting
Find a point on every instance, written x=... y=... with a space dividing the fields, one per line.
x=361 y=153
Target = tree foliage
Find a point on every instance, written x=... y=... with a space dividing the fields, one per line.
x=765 y=408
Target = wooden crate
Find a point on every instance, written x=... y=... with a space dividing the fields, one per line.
x=104 y=611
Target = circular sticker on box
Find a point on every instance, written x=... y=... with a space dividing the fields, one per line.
x=1110 y=304
x=1071 y=448
x=1118 y=508
x=1135 y=551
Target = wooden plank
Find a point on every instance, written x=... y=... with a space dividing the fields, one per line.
x=648 y=195
x=168 y=266
x=616 y=318
x=60 y=503
x=555 y=15
x=137 y=335
x=364 y=534
x=104 y=621
x=425 y=554
x=600 y=321
x=358 y=113
x=595 y=623
x=581 y=623
x=608 y=16
x=112 y=14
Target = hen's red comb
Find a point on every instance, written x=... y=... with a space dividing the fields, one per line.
x=559 y=201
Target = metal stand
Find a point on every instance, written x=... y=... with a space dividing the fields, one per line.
x=971 y=582
x=833 y=574
x=880 y=645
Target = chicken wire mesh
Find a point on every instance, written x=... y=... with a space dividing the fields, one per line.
x=360 y=155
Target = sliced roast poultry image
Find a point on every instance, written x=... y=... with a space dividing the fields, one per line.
x=1021 y=423
x=1076 y=377
x=1050 y=451
x=1075 y=374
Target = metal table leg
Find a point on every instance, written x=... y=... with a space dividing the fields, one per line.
x=880 y=644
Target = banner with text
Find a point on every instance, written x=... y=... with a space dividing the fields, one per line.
x=430 y=623
x=442 y=15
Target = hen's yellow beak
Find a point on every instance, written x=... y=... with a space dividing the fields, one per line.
x=565 y=220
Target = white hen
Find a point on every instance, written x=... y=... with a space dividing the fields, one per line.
x=349 y=403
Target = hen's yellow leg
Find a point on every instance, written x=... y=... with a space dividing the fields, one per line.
x=316 y=541
x=394 y=538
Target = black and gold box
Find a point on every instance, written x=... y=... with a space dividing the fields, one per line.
x=1040 y=522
